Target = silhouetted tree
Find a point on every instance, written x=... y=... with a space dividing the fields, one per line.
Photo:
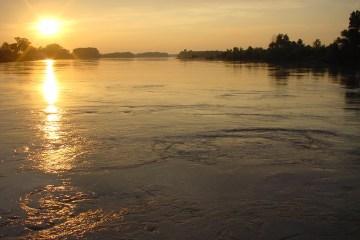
x=317 y=44
x=22 y=50
x=14 y=51
x=344 y=50
x=349 y=43
x=6 y=53
x=86 y=53
x=22 y=44
x=300 y=43
x=281 y=41
x=118 y=55
x=55 y=51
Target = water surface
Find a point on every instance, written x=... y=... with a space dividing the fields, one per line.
x=166 y=149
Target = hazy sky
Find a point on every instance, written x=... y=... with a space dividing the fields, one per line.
x=172 y=25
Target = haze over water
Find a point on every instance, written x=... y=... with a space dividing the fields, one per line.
x=169 y=149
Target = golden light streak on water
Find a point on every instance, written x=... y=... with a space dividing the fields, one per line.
x=50 y=85
x=50 y=91
x=60 y=148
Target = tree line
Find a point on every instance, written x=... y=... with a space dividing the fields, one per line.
x=22 y=50
x=345 y=50
x=136 y=55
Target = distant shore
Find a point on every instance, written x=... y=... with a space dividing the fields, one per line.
x=22 y=50
x=344 y=51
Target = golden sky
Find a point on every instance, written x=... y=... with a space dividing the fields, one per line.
x=172 y=25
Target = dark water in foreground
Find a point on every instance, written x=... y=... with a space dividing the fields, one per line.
x=164 y=149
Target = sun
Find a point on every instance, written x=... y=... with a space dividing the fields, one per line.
x=48 y=27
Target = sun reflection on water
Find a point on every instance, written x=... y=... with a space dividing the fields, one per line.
x=51 y=92
x=58 y=211
x=60 y=145
x=63 y=212
x=50 y=86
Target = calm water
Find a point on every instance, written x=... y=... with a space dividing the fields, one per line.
x=165 y=149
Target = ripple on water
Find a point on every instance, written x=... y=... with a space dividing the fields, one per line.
x=59 y=212
x=65 y=212
x=241 y=146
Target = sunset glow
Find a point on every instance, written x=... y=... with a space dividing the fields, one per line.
x=171 y=26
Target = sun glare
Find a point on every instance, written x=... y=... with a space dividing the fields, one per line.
x=48 y=27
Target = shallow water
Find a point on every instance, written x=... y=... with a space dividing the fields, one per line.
x=166 y=149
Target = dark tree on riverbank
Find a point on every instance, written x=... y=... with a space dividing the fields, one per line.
x=86 y=53
x=22 y=50
x=55 y=51
x=345 y=50
x=15 y=51
x=347 y=47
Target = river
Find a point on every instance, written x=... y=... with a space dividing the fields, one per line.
x=170 y=149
